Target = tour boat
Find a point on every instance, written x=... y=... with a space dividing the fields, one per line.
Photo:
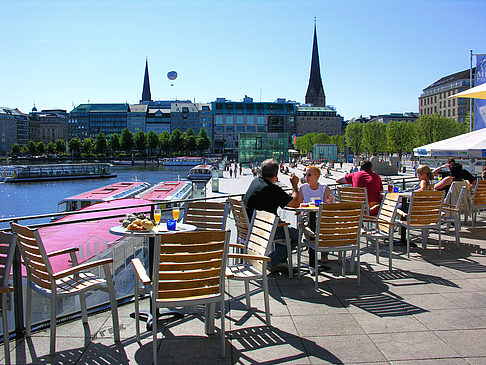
x=118 y=190
x=201 y=172
x=24 y=173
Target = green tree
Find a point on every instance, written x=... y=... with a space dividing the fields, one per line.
x=24 y=149
x=176 y=140
x=114 y=143
x=51 y=148
x=126 y=140
x=153 y=141
x=87 y=146
x=338 y=141
x=140 y=140
x=164 y=141
x=190 y=141
x=15 y=150
x=374 y=137
x=32 y=146
x=433 y=128
x=74 y=145
x=41 y=148
x=354 y=136
x=60 y=146
x=203 y=142
x=100 y=144
x=400 y=137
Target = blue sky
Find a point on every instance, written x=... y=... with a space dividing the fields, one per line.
x=376 y=56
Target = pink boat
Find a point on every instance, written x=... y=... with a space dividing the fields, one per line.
x=119 y=190
x=167 y=192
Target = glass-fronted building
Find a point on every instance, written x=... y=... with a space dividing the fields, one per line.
x=257 y=147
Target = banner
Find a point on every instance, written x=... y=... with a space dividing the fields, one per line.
x=480 y=104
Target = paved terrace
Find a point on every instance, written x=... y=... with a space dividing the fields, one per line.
x=429 y=309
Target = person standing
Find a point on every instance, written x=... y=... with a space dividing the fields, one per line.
x=366 y=178
x=264 y=194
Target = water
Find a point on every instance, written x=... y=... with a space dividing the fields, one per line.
x=31 y=198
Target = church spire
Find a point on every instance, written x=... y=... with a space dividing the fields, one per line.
x=315 y=92
x=146 y=96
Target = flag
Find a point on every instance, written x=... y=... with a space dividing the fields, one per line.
x=480 y=104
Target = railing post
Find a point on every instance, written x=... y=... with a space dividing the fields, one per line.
x=403 y=184
x=18 y=297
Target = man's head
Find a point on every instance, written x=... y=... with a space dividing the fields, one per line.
x=366 y=165
x=451 y=161
x=269 y=168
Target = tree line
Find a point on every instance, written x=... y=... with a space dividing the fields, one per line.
x=145 y=143
x=395 y=137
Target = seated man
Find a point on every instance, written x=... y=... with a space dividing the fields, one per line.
x=466 y=175
x=366 y=178
x=263 y=194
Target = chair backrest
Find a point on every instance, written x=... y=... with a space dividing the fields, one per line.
x=425 y=207
x=241 y=218
x=353 y=194
x=206 y=215
x=339 y=224
x=459 y=196
x=34 y=255
x=190 y=264
x=388 y=211
x=479 y=196
x=260 y=235
x=7 y=248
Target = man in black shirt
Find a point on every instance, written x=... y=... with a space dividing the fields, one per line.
x=466 y=175
x=263 y=194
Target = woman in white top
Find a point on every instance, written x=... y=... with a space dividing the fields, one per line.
x=312 y=188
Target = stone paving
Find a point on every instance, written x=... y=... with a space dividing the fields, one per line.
x=429 y=309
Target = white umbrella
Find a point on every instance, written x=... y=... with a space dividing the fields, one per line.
x=477 y=92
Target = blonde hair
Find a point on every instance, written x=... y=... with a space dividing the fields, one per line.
x=315 y=170
x=424 y=169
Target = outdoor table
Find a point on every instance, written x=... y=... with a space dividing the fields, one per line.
x=156 y=232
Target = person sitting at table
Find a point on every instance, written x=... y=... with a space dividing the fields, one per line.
x=264 y=194
x=368 y=179
x=465 y=175
x=313 y=188
x=425 y=176
x=456 y=175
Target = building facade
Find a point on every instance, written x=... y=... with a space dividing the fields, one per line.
x=317 y=119
x=257 y=147
x=87 y=120
x=435 y=98
x=14 y=128
x=230 y=119
x=48 y=125
x=137 y=118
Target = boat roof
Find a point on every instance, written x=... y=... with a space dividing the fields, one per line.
x=202 y=167
x=108 y=192
x=91 y=237
x=164 y=190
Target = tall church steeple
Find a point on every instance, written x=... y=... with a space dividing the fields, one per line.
x=146 y=96
x=315 y=92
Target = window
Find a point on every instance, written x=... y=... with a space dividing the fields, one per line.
x=250 y=119
x=239 y=119
x=260 y=119
x=218 y=119
x=229 y=119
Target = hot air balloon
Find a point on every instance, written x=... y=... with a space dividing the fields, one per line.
x=172 y=75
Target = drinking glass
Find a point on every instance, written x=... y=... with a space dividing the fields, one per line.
x=175 y=212
x=312 y=200
x=171 y=224
x=157 y=215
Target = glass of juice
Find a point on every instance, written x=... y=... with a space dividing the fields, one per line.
x=157 y=215
x=175 y=212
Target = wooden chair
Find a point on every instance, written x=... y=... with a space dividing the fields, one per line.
x=478 y=199
x=383 y=225
x=75 y=280
x=7 y=249
x=189 y=269
x=424 y=213
x=206 y=215
x=338 y=229
x=241 y=219
x=354 y=194
x=451 y=208
x=255 y=256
